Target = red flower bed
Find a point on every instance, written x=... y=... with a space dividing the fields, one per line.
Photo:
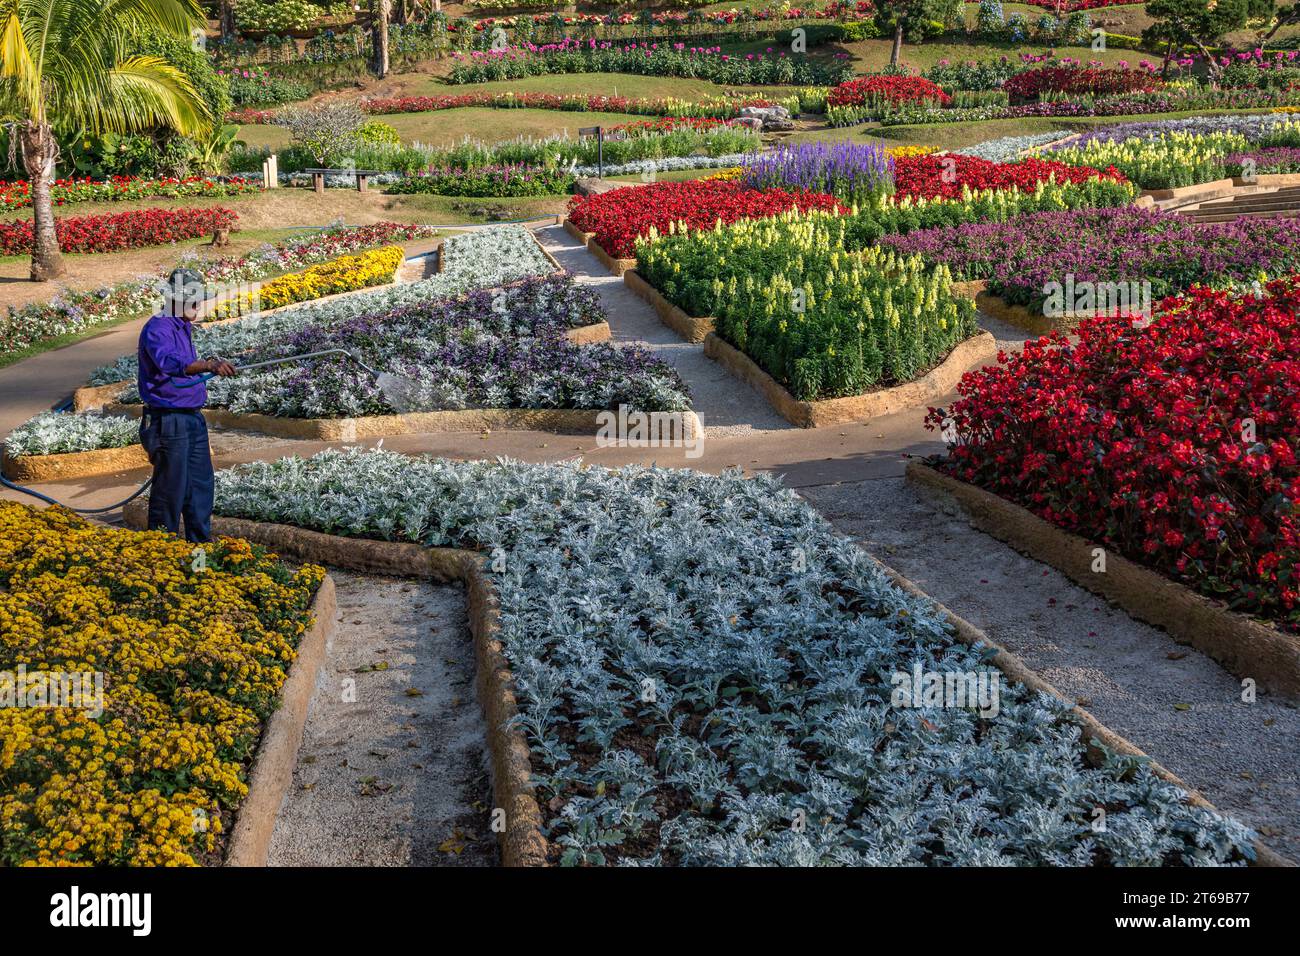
x=124 y=230
x=1067 y=79
x=933 y=176
x=1175 y=444
x=620 y=216
x=666 y=124
x=892 y=89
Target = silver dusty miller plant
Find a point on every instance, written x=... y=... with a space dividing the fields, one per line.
x=693 y=696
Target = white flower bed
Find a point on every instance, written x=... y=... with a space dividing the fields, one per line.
x=1005 y=149
x=665 y=165
x=473 y=260
x=704 y=672
x=51 y=433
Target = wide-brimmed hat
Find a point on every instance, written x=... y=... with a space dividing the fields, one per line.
x=185 y=286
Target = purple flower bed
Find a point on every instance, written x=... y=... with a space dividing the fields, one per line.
x=853 y=172
x=1252 y=127
x=1275 y=159
x=497 y=348
x=1021 y=256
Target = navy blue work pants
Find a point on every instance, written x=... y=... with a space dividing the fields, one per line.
x=176 y=442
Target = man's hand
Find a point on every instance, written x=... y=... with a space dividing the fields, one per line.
x=215 y=365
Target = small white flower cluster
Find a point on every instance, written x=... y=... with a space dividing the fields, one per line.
x=51 y=433
x=1004 y=149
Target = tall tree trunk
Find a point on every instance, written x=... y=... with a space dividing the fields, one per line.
x=39 y=151
x=401 y=12
x=381 y=9
x=897 y=50
x=227 y=19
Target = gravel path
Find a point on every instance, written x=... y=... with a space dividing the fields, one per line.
x=1172 y=701
x=727 y=407
x=392 y=770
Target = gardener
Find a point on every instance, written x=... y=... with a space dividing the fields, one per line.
x=172 y=429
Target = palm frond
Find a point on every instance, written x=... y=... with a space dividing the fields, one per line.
x=144 y=92
x=16 y=66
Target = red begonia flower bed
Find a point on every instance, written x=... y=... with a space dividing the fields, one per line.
x=1174 y=444
x=620 y=216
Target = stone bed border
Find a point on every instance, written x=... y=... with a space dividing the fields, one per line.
x=74 y=464
x=522 y=842
x=977 y=351
x=1243 y=646
x=690 y=327
x=616 y=266
x=563 y=421
x=271 y=772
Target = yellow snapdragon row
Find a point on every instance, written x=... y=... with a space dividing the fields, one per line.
x=344 y=274
x=1170 y=160
x=190 y=649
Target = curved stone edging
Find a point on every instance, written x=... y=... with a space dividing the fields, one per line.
x=1213 y=188
x=1021 y=673
x=615 y=266
x=691 y=328
x=1021 y=317
x=575 y=232
x=1243 y=646
x=564 y=421
x=978 y=350
x=271 y=772
x=75 y=464
x=522 y=842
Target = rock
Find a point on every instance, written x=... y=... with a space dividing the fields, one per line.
x=590 y=186
x=777 y=126
x=750 y=122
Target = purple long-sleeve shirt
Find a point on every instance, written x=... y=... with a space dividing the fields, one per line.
x=166 y=349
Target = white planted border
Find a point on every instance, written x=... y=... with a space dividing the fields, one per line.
x=52 y=433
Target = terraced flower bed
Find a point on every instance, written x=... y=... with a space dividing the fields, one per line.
x=706 y=678
x=1100 y=249
x=56 y=447
x=344 y=274
x=822 y=322
x=1173 y=444
x=147 y=766
x=117 y=231
x=17 y=194
x=618 y=218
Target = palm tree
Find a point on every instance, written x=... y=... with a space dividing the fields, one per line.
x=67 y=65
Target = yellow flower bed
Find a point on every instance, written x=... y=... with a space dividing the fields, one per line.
x=344 y=274
x=906 y=152
x=190 y=647
x=731 y=172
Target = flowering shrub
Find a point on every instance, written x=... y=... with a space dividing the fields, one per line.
x=930 y=177
x=17 y=194
x=506 y=179
x=51 y=433
x=191 y=664
x=482 y=259
x=620 y=217
x=123 y=230
x=70 y=311
x=1021 y=256
x=1031 y=84
x=887 y=88
x=1174 y=444
x=490 y=349
x=822 y=322
x=772 y=677
x=345 y=274
x=853 y=172
x=648 y=58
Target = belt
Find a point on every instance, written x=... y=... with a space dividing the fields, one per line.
x=161 y=410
